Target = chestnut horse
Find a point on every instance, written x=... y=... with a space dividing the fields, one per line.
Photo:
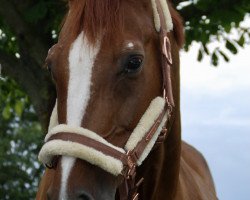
x=107 y=68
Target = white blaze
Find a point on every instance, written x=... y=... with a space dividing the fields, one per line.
x=81 y=60
x=66 y=164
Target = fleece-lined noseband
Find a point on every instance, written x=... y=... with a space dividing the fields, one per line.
x=65 y=140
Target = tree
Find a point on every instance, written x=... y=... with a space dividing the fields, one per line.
x=26 y=35
x=29 y=28
x=19 y=145
x=207 y=21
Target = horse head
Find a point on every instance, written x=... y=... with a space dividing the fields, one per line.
x=107 y=69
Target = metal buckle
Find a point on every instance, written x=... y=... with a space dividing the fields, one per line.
x=53 y=163
x=164 y=132
x=131 y=165
x=49 y=166
x=170 y=108
x=136 y=196
x=166 y=49
x=165 y=93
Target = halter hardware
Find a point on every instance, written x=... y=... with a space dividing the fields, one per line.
x=166 y=49
x=131 y=164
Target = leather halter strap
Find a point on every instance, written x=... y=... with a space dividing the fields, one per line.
x=129 y=159
x=128 y=189
x=166 y=58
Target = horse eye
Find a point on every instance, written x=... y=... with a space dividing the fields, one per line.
x=133 y=64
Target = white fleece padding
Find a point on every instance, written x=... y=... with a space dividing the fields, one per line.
x=53 y=118
x=67 y=163
x=152 y=142
x=146 y=122
x=167 y=15
x=91 y=155
x=67 y=148
x=81 y=131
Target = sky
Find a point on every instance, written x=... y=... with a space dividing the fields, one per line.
x=215 y=105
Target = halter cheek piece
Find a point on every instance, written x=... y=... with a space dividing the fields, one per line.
x=152 y=129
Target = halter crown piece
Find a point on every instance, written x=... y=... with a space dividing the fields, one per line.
x=65 y=140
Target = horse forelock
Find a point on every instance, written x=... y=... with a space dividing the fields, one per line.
x=106 y=17
x=95 y=18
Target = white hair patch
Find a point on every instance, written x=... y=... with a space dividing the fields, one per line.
x=130 y=45
x=66 y=164
x=81 y=60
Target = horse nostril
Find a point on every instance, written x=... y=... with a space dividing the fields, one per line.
x=84 y=196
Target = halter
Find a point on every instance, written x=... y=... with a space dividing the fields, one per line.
x=152 y=129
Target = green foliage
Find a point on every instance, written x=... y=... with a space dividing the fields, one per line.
x=231 y=47
x=14 y=100
x=50 y=12
x=7 y=40
x=208 y=21
x=36 y=12
x=21 y=137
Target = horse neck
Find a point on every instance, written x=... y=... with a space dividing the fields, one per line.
x=161 y=169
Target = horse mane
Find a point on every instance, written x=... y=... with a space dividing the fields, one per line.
x=106 y=16
x=94 y=17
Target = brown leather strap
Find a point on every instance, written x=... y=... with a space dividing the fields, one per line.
x=140 y=147
x=166 y=57
x=167 y=88
x=167 y=94
x=128 y=185
x=83 y=140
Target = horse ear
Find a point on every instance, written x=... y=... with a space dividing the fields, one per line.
x=178 y=26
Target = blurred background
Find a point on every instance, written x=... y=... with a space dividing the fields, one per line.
x=215 y=84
